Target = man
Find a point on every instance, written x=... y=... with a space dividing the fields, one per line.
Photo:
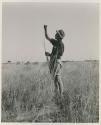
x=55 y=64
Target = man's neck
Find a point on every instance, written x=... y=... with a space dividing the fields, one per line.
x=59 y=40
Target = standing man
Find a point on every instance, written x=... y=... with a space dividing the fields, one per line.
x=55 y=63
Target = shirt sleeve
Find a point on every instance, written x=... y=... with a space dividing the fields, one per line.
x=54 y=42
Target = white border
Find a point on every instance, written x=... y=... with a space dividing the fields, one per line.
x=50 y=1
x=53 y=1
x=0 y=50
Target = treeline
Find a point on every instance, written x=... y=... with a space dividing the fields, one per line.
x=20 y=62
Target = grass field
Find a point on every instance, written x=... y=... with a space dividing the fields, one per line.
x=28 y=93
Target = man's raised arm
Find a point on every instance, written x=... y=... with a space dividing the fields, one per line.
x=46 y=35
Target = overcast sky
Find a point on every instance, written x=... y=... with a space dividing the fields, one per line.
x=23 y=33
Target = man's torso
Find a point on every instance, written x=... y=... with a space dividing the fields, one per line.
x=55 y=58
x=58 y=49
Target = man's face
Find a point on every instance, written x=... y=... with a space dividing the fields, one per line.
x=57 y=36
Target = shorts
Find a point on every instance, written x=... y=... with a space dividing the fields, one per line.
x=57 y=68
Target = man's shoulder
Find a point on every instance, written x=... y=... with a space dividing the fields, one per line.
x=54 y=41
x=62 y=43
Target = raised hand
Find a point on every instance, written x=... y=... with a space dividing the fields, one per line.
x=45 y=27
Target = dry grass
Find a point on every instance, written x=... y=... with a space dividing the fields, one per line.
x=28 y=93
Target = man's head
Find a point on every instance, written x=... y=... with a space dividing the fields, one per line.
x=59 y=34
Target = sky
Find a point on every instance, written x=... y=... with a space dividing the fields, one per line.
x=23 y=34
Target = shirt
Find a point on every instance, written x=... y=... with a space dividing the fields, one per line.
x=57 y=52
x=58 y=48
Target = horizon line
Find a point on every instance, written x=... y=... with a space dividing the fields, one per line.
x=9 y=61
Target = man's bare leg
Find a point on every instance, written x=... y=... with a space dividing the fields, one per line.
x=56 y=86
x=60 y=84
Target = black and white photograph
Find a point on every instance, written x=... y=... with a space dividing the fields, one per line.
x=50 y=62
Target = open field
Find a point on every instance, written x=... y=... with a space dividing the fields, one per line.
x=28 y=93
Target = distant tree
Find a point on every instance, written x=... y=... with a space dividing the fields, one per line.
x=35 y=62
x=64 y=61
x=9 y=61
x=27 y=63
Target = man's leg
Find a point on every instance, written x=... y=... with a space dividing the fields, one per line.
x=56 y=85
x=60 y=84
x=58 y=79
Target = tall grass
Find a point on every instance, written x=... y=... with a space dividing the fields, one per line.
x=28 y=93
